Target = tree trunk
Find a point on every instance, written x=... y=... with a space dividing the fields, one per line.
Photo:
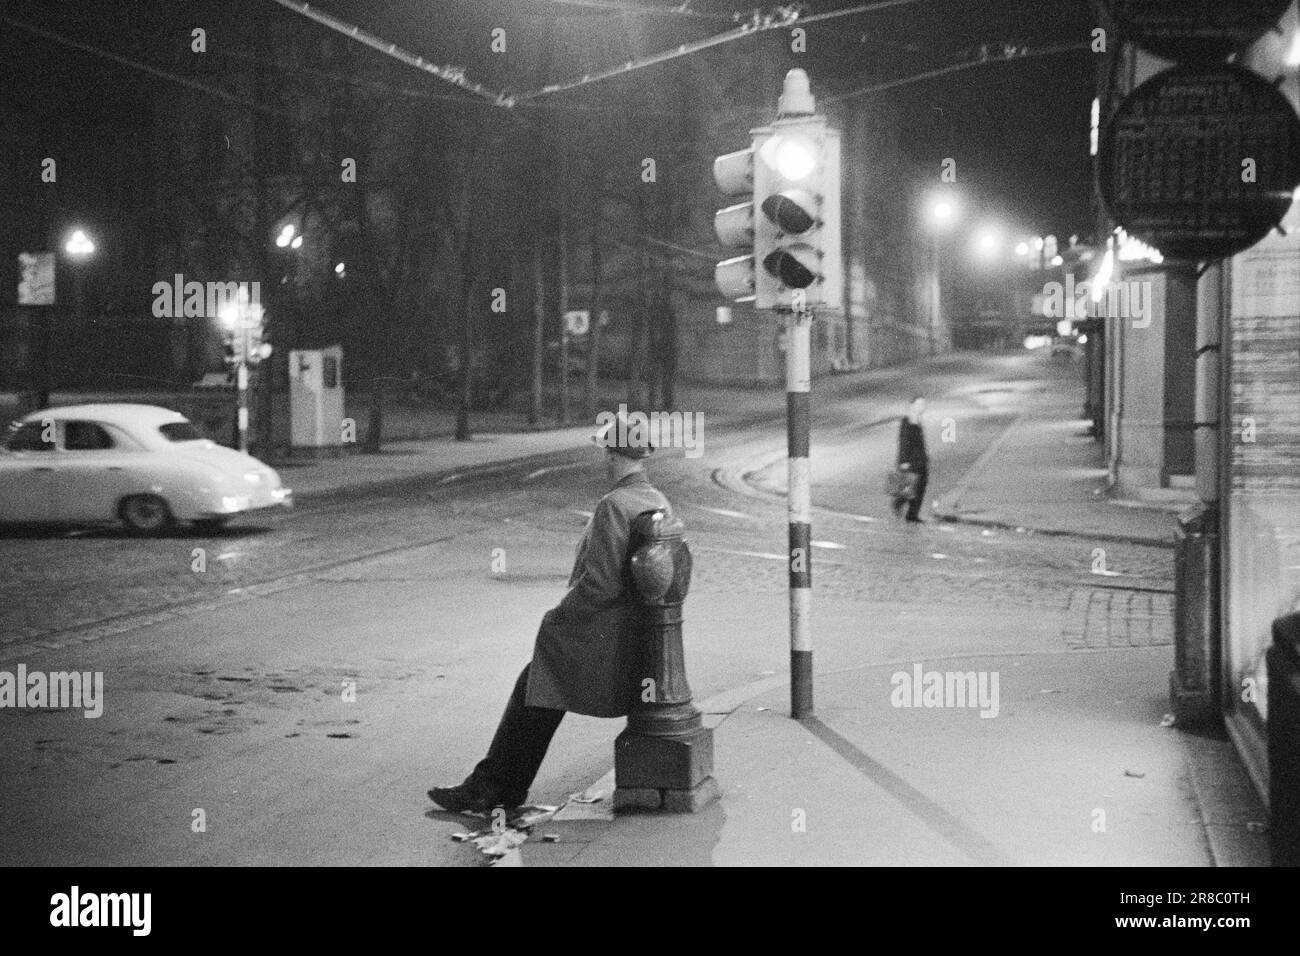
x=539 y=339
x=375 y=427
x=593 y=332
x=641 y=352
x=670 y=357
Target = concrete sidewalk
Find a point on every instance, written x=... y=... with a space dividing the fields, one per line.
x=1046 y=474
x=1074 y=767
x=1069 y=759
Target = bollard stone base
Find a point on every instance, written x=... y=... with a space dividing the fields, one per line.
x=664 y=773
x=644 y=799
x=631 y=799
x=678 y=762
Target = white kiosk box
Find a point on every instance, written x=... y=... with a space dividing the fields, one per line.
x=316 y=399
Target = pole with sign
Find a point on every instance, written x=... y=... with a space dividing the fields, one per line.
x=36 y=288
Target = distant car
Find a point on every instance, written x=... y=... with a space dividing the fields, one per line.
x=145 y=466
x=1065 y=345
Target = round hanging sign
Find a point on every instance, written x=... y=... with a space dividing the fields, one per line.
x=1200 y=162
x=1195 y=30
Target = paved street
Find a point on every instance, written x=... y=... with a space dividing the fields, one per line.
x=230 y=689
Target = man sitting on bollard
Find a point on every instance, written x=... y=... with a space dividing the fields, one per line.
x=587 y=656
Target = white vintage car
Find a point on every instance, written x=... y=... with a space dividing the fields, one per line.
x=145 y=466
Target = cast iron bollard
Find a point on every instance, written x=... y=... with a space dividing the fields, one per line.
x=663 y=760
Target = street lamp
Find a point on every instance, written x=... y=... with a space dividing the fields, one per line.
x=79 y=248
x=988 y=242
x=942 y=213
x=79 y=245
x=243 y=320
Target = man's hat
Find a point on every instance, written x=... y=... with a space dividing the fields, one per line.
x=624 y=434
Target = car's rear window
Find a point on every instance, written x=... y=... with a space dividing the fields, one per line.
x=86 y=436
x=32 y=436
x=180 y=431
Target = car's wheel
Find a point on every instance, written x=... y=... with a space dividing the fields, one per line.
x=145 y=514
x=212 y=524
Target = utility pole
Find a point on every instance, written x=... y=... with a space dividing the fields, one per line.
x=262 y=263
x=241 y=386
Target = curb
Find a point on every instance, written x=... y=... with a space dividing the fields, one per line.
x=1021 y=527
x=736 y=479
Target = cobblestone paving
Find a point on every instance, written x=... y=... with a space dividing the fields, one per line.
x=61 y=587
x=1119 y=617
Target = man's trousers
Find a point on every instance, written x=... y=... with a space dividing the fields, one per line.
x=518 y=748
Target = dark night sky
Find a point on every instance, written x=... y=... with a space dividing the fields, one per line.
x=1018 y=131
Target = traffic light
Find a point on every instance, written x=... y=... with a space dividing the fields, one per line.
x=243 y=343
x=257 y=348
x=232 y=348
x=792 y=220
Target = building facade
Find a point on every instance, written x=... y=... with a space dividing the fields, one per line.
x=1202 y=403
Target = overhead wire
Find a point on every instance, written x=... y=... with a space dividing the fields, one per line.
x=447 y=74
x=783 y=17
x=1023 y=53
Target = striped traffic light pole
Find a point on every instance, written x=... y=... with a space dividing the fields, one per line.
x=790 y=223
x=799 y=507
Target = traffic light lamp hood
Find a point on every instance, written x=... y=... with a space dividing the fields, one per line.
x=796 y=96
x=796 y=265
x=794 y=211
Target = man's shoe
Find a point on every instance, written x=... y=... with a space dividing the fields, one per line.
x=915 y=520
x=468 y=798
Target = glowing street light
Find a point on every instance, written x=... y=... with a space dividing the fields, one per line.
x=1022 y=249
x=79 y=245
x=989 y=241
x=229 y=315
x=296 y=243
x=943 y=212
x=286 y=236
